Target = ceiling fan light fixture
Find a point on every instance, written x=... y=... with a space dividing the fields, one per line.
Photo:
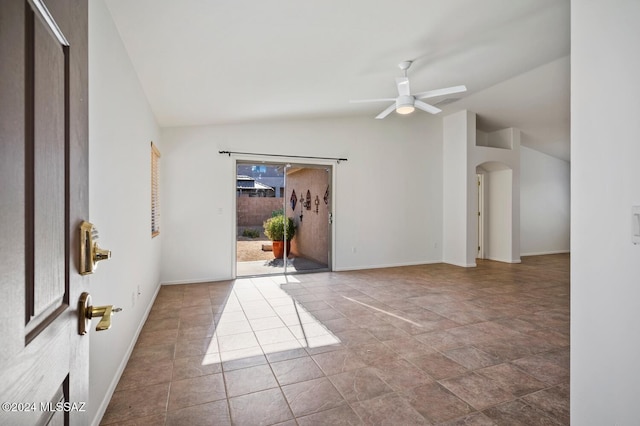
x=406 y=109
x=404 y=105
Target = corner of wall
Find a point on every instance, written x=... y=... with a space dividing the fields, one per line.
x=119 y=134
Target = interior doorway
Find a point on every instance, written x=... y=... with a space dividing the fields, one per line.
x=495 y=221
x=295 y=202
x=481 y=215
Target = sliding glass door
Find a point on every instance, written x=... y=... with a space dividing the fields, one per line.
x=283 y=213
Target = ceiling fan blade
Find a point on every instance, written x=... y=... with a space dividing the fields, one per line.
x=359 y=101
x=440 y=92
x=403 y=86
x=386 y=112
x=426 y=107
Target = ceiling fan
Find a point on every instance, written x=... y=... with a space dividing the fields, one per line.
x=406 y=103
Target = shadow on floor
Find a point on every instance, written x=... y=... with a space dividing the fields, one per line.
x=276 y=266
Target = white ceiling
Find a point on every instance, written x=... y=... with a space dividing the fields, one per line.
x=230 y=61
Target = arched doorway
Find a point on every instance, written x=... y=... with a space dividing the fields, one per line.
x=495 y=211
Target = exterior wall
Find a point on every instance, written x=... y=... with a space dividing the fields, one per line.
x=311 y=240
x=253 y=211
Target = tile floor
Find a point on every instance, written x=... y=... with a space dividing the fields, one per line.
x=276 y=266
x=417 y=345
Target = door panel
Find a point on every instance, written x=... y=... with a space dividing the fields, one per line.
x=43 y=199
x=49 y=87
x=311 y=248
x=311 y=216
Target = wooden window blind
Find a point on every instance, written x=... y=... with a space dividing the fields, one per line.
x=155 y=182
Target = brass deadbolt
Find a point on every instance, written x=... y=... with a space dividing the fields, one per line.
x=90 y=252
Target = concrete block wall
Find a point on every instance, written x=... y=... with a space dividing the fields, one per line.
x=253 y=211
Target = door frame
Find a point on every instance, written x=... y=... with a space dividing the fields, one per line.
x=283 y=160
x=481 y=216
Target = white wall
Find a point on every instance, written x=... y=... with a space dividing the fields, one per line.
x=388 y=195
x=544 y=203
x=121 y=127
x=456 y=131
x=605 y=183
x=463 y=158
x=498 y=210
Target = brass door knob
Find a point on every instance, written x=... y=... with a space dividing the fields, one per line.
x=86 y=312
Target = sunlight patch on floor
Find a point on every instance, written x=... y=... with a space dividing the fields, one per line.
x=260 y=317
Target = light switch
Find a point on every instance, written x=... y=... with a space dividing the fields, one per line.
x=635 y=218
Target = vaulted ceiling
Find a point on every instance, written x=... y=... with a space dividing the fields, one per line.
x=232 y=61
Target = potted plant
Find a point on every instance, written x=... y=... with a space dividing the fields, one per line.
x=274 y=230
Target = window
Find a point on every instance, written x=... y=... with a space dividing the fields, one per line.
x=155 y=182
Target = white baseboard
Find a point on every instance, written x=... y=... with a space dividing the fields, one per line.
x=196 y=281
x=116 y=378
x=495 y=259
x=389 y=265
x=542 y=253
x=462 y=265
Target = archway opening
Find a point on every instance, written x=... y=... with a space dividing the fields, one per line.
x=495 y=211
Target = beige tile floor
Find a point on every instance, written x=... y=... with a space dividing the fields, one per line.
x=417 y=345
x=276 y=266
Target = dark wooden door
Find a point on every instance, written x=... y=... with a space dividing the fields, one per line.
x=44 y=362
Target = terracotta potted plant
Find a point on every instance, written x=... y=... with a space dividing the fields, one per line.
x=274 y=230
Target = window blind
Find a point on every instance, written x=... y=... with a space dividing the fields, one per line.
x=155 y=199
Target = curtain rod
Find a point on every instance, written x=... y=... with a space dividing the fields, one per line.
x=284 y=156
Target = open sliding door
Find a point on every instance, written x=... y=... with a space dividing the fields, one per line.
x=308 y=191
x=294 y=200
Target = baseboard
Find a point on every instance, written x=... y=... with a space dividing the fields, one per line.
x=196 y=281
x=462 y=265
x=116 y=378
x=495 y=259
x=542 y=253
x=388 y=265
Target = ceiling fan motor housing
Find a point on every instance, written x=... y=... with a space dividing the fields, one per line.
x=404 y=104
